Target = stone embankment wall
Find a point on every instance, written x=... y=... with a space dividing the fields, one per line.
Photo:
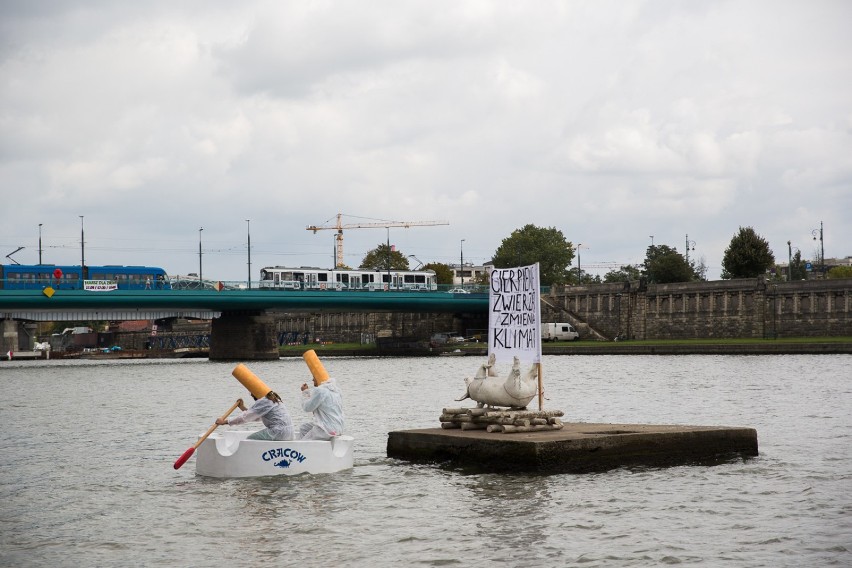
x=364 y=327
x=747 y=308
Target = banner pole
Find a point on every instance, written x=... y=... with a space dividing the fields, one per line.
x=540 y=388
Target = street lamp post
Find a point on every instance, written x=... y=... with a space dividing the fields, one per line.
x=82 y=250
x=389 y=259
x=579 y=267
x=652 y=241
x=39 y=243
x=821 y=249
x=789 y=262
x=199 y=258
x=248 y=233
x=688 y=243
x=461 y=261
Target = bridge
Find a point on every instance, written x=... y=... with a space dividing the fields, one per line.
x=242 y=323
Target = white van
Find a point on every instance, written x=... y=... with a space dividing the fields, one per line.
x=558 y=332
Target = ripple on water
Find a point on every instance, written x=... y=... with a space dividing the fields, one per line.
x=87 y=476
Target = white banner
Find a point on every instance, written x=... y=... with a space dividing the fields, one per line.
x=514 y=314
x=100 y=285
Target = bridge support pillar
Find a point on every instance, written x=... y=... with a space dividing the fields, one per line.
x=10 y=335
x=246 y=336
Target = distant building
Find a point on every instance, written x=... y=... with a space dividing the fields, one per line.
x=814 y=268
x=471 y=273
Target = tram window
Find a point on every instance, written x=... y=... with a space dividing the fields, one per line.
x=322 y=277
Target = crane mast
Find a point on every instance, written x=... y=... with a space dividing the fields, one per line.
x=339 y=226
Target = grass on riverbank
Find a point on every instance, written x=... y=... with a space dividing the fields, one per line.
x=710 y=341
x=331 y=348
x=327 y=348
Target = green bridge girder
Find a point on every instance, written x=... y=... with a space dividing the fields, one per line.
x=243 y=300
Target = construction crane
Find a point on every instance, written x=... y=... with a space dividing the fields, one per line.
x=384 y=224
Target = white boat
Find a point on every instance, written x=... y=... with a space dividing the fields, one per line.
x=230 y=454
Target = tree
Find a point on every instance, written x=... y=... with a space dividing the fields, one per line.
x=798 y=268
x=531 y=244
x=747 y=255
x=840 y=272
x=384 y=257
x=443 y=273
x=624 y=274
x=795 y=271
x=664 y=264
x=699 y=267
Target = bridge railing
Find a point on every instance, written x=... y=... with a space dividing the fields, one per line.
x=181 y=283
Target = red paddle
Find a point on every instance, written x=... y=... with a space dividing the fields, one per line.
x=188 y=453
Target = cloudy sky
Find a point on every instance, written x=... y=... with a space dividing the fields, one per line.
x=616 y=122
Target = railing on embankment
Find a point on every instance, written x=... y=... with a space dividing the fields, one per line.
x=746 y=308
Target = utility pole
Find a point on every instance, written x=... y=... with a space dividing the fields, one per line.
x=821 y=249
x=199 y=258
x=461 y=262
x=82 y=250
x=248 y=230
x=388 y=257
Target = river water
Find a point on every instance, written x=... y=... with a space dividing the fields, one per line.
x=87 y=477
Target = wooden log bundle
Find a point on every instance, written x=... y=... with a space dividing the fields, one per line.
x=503 y=421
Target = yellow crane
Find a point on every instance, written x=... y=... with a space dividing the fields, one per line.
x=339 y=226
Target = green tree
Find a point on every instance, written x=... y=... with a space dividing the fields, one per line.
x=443 y=273
x=747 y=255
x=663 y=265
x=840 y=272
x=624 y=274
x=384 y=257
x=795 y=271
x=531 y=244
x=799 y=270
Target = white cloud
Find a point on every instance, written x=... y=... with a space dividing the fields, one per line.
x=609 y=121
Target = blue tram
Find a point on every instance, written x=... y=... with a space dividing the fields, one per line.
x=70 y=277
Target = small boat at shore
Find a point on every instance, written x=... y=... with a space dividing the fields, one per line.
x=230 y=454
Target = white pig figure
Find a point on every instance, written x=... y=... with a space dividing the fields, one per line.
x=515 y=391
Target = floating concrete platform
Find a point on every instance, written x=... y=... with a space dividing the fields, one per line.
x=576 y=448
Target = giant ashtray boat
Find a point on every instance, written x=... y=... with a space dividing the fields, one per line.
x=230 y=454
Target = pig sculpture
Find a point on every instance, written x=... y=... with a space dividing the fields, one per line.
x=515 y=391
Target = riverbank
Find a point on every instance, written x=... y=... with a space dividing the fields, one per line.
x=787 y=346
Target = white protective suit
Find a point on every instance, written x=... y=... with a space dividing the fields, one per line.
x=279 y=425
x=326 y=403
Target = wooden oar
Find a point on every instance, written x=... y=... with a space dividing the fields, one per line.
x=188 y=453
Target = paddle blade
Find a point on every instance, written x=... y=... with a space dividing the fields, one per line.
x=182 y=460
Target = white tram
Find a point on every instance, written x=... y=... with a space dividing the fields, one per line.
x=311 y=278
